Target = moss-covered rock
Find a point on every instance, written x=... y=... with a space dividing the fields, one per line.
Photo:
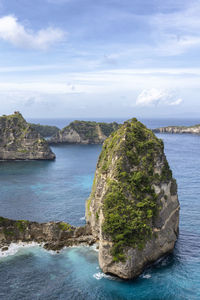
x=19 y=141
x=131 y=201
x=84 y=132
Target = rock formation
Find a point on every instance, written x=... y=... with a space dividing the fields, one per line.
x=45 y=130
x=179 y=129
x=132 y=212
x=54 y=235
x=19 y=141
x=133 y=209
x=84 y=132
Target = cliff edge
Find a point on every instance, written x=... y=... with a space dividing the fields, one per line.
x=133 y=209
x=19 y=141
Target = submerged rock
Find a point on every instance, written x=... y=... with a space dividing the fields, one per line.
x=84 y=132
x=133 y=209
x=19 y=141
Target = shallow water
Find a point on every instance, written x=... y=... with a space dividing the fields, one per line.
x=57 y=191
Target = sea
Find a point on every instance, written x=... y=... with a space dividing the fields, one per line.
x=57 y=190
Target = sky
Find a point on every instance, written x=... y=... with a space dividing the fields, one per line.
x=100 y=58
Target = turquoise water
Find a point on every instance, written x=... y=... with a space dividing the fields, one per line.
x=57 y=191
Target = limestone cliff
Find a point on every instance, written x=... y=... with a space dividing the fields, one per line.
x=84 y=132
x=54 y=235
x=133 y=209
x=179 y=129
x=19 y=141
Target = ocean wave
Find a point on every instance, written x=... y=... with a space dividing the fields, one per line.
x=82 y=218
x=14 y=248
x=101 y=275
x=146 y=276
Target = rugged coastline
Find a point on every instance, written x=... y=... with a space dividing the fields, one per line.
x=54 y=235
x=132 y=212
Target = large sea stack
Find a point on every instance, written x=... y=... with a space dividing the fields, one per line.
x=133 y=209
x=19 y=141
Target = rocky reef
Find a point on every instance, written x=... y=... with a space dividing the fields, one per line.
x=84 y=132
x=195 y=129
x=54 y=235
x=20 y=141
x=133 y=209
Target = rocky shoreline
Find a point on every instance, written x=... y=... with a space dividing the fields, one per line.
x=53 y=235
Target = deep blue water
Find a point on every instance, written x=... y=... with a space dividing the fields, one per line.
x=57 y=191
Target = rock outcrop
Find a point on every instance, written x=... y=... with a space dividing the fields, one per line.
x=84 y=132
x=54 y=235
x=19 y=141
x=179 y=129
x=133 y=209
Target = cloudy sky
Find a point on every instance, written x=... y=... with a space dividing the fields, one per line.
x=100 y=58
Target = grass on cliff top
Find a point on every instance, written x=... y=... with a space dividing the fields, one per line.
x=130 y=204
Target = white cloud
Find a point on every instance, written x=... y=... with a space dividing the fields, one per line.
x=157 y=96
x=15 y=33
x=177 y=32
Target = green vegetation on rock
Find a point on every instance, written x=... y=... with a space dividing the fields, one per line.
x=130 y=203
x=64 y=226
x=21 y=225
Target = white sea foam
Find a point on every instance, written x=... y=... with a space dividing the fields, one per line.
x=82 y=218
x=101 y=275
x=146 y=276
x=14 y=248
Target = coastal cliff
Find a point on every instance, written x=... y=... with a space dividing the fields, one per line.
x=178 y=129
x=19 y=141
x=84 y=132
x=132 y=212
x=133 y=209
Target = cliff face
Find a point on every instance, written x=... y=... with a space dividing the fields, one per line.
x=133 y=209
x=18 y=140
x=84 y=132
x=178 y=129
x=54 y=235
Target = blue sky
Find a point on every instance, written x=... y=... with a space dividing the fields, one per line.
x=100 y=58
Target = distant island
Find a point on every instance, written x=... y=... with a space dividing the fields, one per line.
x=45 y=130
x=84 y=132
x=133 y=209
x=20 y=141
x=195 y=129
